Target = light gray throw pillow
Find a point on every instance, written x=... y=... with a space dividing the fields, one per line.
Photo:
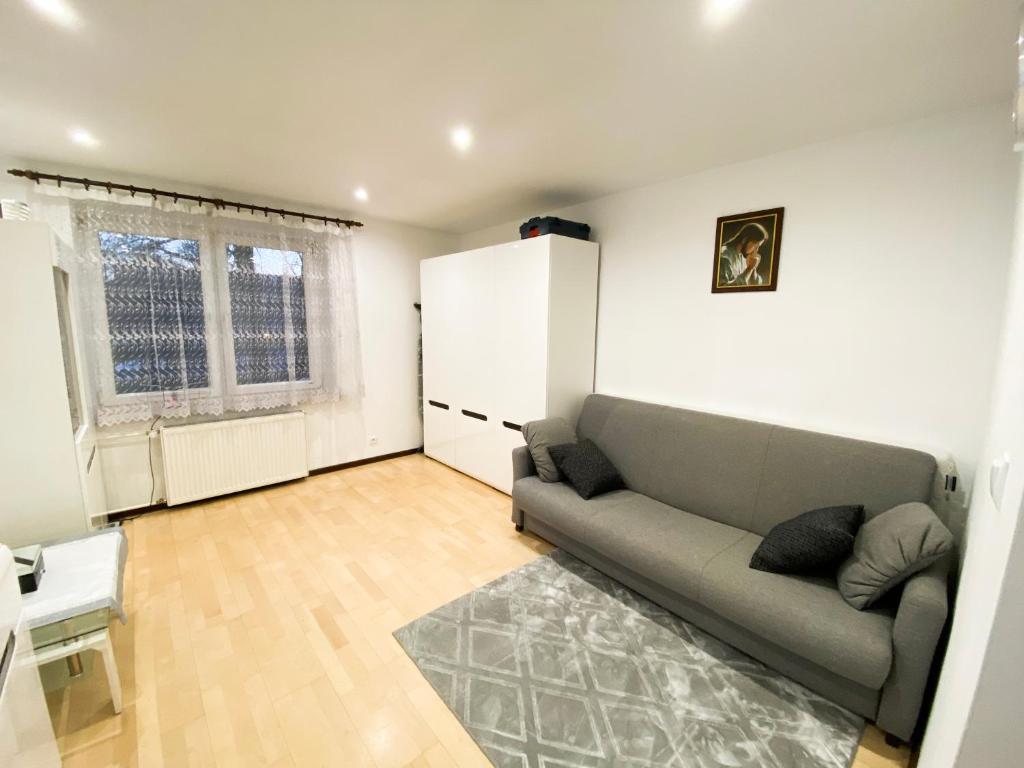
x=539 y=436
x=889 y=549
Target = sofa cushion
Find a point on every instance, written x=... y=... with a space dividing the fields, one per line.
x=541 y=435
x=812 y=543
x=558 y=505
x=807 y=470
x=585 y=468
x=746 y=473
x=656 y=541
x=804 y=614
x=661 y=543
x=704 y=463
x=891 y=548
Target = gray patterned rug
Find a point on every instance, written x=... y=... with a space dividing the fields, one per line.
x=555 y=665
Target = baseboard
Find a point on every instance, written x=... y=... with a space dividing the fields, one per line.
x=128 y=514
x=113 y=517
x=369 y=460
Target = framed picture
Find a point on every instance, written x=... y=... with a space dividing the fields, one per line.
x=747 y=252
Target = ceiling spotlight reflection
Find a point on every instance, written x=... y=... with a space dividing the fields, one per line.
x=462 y=138
x=83 y=137
x=57 y=11
x=719 y=12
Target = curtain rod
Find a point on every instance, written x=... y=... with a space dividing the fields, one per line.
x=216 y=202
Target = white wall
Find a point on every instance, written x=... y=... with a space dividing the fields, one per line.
x=975 y=720
x=386 y=420
x=892 y=276
x=387 y=270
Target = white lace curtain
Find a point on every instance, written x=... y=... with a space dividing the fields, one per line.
x=186 y=311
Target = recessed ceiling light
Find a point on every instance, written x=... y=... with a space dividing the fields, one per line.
x=83 y=137
x=462 y=138
x=57 y=11
x=721 y=11
x=361 y=194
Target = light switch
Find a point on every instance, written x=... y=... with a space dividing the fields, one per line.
x=997 y=478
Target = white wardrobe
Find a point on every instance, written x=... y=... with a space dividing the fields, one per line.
x=50 y=475
x=508 y=337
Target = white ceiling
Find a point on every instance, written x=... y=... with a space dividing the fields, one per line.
x=568 y=99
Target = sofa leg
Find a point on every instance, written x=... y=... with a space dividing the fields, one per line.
x=894 y=741
x=519 y=527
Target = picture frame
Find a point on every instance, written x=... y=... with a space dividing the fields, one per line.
x=747 y=251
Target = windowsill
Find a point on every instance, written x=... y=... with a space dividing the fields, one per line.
x=300 y=385
x=132 y=430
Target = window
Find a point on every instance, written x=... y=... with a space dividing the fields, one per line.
x=184 y=312
x=155 y=312
x=268 y=315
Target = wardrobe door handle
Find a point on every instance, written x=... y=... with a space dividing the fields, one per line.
x=513 y=427
x=474 y=415
x=442 y=406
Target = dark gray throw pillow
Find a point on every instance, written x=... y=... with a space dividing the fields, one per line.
x=540 y=435
x=889 y=549
x=586 y=469
x=813 y=542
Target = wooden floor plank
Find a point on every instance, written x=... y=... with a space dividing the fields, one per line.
x=260 y=626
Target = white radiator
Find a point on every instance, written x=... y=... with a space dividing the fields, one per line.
x=218 y=457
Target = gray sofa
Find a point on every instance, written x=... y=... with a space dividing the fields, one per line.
x=703 y=491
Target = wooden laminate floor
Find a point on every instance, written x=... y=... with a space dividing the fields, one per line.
x=259 y=628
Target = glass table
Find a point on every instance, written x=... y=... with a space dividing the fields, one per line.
x=55 y=641
x=66 y=639
x=79 y=593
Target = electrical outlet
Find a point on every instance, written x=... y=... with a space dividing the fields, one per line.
x=373 y=439
x=949 y=497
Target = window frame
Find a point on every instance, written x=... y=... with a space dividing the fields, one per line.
x=107 y=384
x=313 y=255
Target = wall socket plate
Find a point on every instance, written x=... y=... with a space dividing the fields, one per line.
x=372 y=440
x=949 y=497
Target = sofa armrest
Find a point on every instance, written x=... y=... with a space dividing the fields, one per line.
x=522 y=463
x=522 y=466
x=920 y=620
